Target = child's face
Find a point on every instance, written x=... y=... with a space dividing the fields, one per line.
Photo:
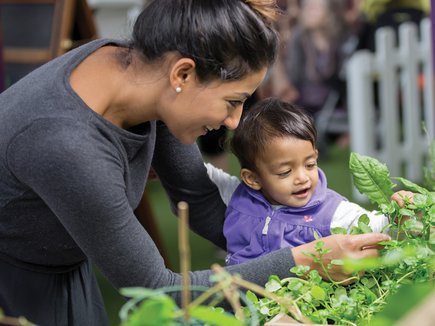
x=287 y=171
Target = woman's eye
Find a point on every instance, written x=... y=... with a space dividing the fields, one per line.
x=235 y=104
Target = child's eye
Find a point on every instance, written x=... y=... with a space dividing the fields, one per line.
x=284 y=174
x=311 y=165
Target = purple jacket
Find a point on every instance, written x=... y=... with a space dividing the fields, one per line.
x=253 y=227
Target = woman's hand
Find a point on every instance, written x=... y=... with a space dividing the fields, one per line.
x=342 y=246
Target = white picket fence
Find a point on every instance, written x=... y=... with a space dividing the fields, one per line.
x=393 y=122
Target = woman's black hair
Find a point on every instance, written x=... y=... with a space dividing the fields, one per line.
x=227 y=39
x=266 y=120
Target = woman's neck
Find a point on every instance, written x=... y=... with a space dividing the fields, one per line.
x=119 y=94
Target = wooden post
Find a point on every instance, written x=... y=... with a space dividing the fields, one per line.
x=183 y=244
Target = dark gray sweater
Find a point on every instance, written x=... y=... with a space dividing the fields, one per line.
x=70 y=180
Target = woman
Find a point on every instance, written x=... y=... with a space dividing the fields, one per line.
x=79 y=135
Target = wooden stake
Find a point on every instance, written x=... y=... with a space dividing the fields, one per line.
x=184 y=250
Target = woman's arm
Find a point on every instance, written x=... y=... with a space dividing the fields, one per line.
x=184 y=177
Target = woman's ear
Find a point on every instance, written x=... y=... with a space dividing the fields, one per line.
x=250 y=178
x=182 y=71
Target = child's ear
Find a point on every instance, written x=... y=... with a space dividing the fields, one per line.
x=250 y=179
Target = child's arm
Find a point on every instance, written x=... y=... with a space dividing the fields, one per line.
x=347 y=214
x=225 y=182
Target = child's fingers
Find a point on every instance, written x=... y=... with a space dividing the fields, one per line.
x=400 y=196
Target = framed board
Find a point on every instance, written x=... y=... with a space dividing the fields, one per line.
x=36 y=31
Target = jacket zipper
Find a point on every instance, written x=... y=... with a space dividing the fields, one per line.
x=266 y=226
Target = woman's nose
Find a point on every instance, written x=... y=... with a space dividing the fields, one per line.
x=233 y=119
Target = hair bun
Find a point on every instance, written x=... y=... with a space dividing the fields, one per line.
x=268 y=10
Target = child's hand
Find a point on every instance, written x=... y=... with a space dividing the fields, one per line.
x=402 y=196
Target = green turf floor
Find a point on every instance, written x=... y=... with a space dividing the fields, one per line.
x=203 y=253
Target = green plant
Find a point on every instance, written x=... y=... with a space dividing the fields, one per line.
x=156 y=307
x=407 y=259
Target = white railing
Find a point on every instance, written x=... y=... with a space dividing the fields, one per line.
x=391 y=102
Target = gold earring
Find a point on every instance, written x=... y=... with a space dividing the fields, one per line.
x=178 y=89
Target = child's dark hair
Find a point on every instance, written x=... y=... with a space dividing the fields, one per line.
x=266 y=120
x=227 y=39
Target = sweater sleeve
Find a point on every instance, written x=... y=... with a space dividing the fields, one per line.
x=184 y=177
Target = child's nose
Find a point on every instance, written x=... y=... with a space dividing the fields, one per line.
x=301 y=176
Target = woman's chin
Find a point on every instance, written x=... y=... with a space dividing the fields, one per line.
x=187 y=140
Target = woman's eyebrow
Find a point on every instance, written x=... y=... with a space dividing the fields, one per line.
x=244 y=95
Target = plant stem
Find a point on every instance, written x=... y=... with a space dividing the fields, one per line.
x=231 y=294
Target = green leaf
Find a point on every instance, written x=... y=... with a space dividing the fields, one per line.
x=338 y=230
x=214 y=317
x=318 y=293
x=370 y=296
x=134 y=292
x=300 y=270
x=352 y=265
x=264 y=310
x=273 y=285
x=153 y=312
x=355 y=230
x=251 y=296
x=337 y=262
x=368 y=282
x=411 y=186
x=319 y=245
x=340 y=292
x=371 y=178
x=309 y=254
x=364 y=219
x=402 y=302
x=364 y=228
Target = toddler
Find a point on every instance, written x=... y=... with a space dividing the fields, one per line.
x=283 y=199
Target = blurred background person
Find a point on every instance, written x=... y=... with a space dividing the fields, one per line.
x=314 y=51
x=276 y=82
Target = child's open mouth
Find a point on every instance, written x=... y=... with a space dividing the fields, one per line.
x=301 y=193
